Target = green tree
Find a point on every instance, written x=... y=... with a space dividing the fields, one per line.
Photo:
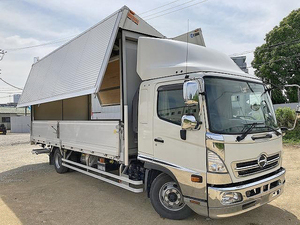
x=278 y=60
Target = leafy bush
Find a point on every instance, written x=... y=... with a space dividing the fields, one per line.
x=285 y=118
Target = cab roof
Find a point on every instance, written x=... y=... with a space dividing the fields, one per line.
x=159 y=58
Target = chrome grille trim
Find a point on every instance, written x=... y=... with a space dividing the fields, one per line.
x=251 y=166
x=246 y=167
x=274 y=160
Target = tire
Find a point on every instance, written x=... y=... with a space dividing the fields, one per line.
x=58 y=162
x=167 y=199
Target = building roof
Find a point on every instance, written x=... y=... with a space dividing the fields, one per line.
x=12 y=110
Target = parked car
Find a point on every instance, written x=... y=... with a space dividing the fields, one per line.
x=3 y=129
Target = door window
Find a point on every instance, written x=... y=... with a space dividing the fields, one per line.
x=170 y=104
x=5 y=119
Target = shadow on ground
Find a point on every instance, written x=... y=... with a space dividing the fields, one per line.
x=36 y=194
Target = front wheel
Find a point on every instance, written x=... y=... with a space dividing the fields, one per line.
x=167 y=199
x=58 y=162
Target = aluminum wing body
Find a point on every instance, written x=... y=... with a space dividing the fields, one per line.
x=77 y=68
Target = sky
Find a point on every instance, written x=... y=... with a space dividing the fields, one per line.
x=230 y=26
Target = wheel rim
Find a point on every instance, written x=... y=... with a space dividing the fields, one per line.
x=57 y=160
x=171 y=197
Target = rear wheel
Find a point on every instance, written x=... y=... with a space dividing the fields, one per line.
x=58 y=162
x=167 y=199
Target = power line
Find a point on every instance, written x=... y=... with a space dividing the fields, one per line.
x=169 y=8
x=177 y=10
x=68 y=38
x=242 y=53
x=268 y=47
x=10 y=92
x=40 y=45
x=6 y=96
x=10 y=84
x=13 y=90
x=158 y=7
x=277 y=60
x=284 y=57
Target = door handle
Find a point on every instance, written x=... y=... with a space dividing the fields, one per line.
x=159 y=140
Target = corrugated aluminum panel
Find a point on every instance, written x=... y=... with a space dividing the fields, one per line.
x=74 y=69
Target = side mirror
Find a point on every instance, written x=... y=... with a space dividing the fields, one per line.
x=298 y=111
x=191 y=91
x=189 y=122
x=298 y=106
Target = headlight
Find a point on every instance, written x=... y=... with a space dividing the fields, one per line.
x=215 y=164
x=228 y=198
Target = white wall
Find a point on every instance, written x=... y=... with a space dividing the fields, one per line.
x=290 y=105
x=20 y=124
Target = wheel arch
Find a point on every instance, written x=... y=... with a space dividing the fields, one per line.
x=153 y=170
x=51 y=155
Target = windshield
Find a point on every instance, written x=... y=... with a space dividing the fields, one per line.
x=234 y=105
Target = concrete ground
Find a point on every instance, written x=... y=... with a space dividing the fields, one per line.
x=31 y=192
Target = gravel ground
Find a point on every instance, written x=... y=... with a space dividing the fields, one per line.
x=31 y=192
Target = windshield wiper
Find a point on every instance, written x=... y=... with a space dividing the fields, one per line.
x=273 y=129
x=243 y=135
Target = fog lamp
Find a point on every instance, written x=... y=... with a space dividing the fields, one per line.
x=228 y=198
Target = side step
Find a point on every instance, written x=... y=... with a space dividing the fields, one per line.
x=41 y=151
x=119 y=181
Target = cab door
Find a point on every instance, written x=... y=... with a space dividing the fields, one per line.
x=168 y=145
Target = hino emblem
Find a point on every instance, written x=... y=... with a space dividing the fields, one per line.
x=262 y=161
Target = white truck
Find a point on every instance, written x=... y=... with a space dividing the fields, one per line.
x=123 y=104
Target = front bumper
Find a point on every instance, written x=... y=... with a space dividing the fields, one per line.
x=254 y=195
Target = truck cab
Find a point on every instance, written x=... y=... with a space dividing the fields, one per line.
x=215 y=133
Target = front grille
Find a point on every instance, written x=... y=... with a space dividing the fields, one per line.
x=246 y=168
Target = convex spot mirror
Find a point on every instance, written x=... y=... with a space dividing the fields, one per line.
x=298 y=106
x=191 y=91
x=189 y=122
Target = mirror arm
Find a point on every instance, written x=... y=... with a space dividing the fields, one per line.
x=199 y=123
x=183 y=134
x=284 y=129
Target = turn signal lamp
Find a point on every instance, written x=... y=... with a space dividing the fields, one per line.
x=196 y=178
